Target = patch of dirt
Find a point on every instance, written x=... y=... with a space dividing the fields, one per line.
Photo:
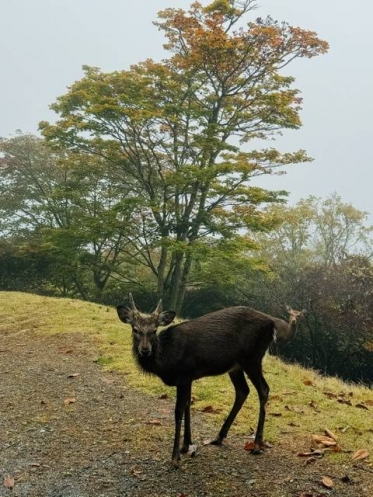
x=69 y=429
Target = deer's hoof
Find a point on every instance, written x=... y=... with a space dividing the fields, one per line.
x=217 y=441
x=256 y=451
x=175 y=463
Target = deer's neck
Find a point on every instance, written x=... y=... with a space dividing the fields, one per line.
x=284 y=330
x=292 y=328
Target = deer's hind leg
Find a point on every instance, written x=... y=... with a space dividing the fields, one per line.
x=242 y=391
x=254 y=372
x=187 y=428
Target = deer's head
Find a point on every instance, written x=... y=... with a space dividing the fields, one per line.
x=295 y=316
x=144 y=326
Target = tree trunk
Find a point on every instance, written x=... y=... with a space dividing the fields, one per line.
x=173 y=290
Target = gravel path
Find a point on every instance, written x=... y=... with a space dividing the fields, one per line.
x=69 y=429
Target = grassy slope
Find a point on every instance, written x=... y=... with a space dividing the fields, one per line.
x=301 y=402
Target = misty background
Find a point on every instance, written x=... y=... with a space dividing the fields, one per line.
x=44 y=44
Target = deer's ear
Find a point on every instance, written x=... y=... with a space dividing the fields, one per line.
x=125 y=314
x=288 y=308
x=304 y=311
x=166 y=317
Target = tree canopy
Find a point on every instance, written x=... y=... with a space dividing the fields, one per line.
x=177 y=132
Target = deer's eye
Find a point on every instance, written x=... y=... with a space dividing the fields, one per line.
x=135 y=330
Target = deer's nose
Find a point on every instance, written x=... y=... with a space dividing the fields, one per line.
x=145 y=351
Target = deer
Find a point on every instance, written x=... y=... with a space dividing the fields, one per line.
x=286 y=331
x=232 y=340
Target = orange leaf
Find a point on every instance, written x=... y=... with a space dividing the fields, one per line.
x=69 y=400
x=73 y=375
x=327 y=482
x=210 y=409
x=155 y=422
x=249 y=445
x=8 y=481
x=360 y=455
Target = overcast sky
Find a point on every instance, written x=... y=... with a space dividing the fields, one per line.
x=44 y=43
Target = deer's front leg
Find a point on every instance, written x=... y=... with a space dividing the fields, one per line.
x=182 y=397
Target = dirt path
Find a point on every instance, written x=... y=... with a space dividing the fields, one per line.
x=68 y=429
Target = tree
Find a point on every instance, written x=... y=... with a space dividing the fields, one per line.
x=319 y=258
x=178 y=129
x=64 y=206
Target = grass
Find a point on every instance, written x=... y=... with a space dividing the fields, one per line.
x=301 y=402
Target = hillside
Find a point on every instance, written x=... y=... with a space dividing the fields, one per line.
x=76 y=415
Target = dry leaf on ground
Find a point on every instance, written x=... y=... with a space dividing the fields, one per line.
x=331 y=434
x=360 y=455
x=8 y=482
x=327 y=482
x=211 y=410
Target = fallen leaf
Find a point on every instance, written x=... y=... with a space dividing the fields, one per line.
x=163 y=396
x=8 y=482
x=66 y=351
x=307 y=382
x=135 y=471
x=73 y=375
x=210 y=409
x=327 y=482
x=362 y=406
x=331 y=434
x=368 y=402
x=305 y=494
x=275 y=414
x=69 y=400
x=360 y=455
x=155 y=422
x=249 y=445
x=320 y=439
x=344 y=401
x=306 y=454
x=312 y=453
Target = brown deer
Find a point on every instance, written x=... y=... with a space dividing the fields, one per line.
x=232 y=340
x=285 y=330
